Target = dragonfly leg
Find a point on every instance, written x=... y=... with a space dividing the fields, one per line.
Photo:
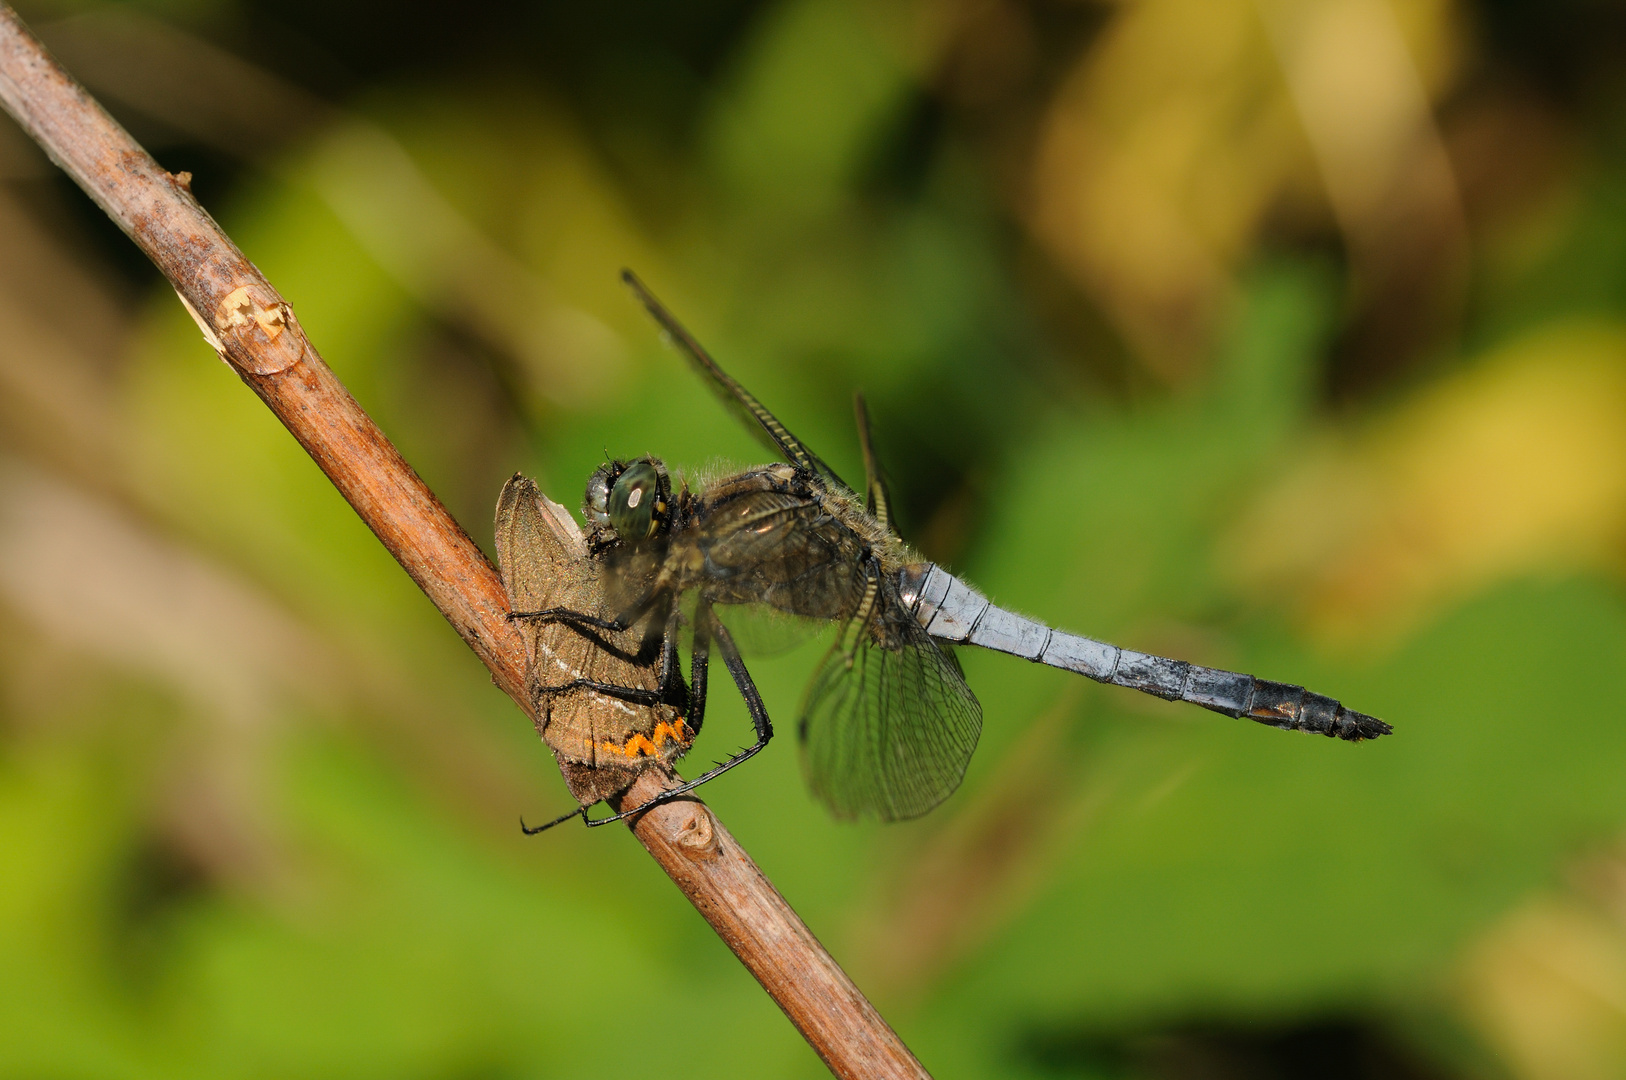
x=633 y=695
x=694 y=716
x=748 y=691
x=532 y=830
x=572 y=618
x=669 y=689
x=713 y=626
x=700 y=653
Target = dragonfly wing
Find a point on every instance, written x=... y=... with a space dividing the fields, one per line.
x=877 y=500
x=890 y=734
x=736 y=397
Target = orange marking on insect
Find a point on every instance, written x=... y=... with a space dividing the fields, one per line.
x=641 y=745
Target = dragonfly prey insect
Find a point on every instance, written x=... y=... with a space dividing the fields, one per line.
x=888 y=723
x=602 y=743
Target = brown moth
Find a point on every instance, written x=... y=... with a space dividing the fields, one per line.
x=602 y=743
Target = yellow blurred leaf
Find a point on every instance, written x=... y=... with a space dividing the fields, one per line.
x=1158 y=156
x=1516 y=466
x=1546 y=988
x=1176 y=134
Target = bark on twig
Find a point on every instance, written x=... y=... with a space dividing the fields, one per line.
x=256 y=332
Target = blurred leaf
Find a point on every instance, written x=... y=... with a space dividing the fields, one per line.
x=1156 y=161
x=1175 y=137
x=1516 y=465
x=819 y=78
x=1547 y=986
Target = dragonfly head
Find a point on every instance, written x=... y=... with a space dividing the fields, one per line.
x=629 y=501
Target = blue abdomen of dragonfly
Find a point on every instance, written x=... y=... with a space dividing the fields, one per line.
x=951 y=610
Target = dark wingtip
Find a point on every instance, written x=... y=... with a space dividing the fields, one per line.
x=636 y=285
x=640 y=292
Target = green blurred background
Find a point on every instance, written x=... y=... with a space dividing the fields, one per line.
x=1279 y=335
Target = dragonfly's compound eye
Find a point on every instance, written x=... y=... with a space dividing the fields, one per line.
x=596 y=506
x=635 y=502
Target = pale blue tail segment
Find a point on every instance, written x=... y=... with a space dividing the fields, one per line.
x=953 y=611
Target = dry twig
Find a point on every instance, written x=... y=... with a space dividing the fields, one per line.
x=255 y=331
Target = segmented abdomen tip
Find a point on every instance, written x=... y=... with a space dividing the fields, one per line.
x=1355 y=727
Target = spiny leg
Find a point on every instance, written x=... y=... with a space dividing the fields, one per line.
x=528 y=830
x=571 y=617
x=669 y=681
x=694 y=712
x=699 y=669
x=708 y=625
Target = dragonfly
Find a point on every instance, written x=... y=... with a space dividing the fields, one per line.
x=888 y=723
